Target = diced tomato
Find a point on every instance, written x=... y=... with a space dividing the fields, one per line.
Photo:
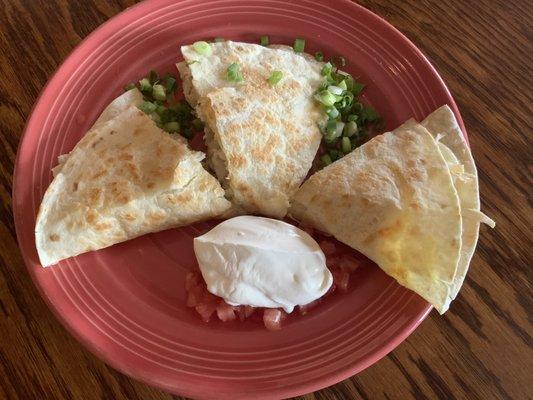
x=327 y=247
x=225 y=312
x=272 y=319
x=244 y=312
x=195 y=296
x=206 y=310
x=349 y=264
x=192 y=279
x=341 y=278
x=304 y=309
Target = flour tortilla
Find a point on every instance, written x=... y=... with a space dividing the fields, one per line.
x=444 y=128
x=261 y=138
x=127 y=99
x=393 y=200
x=125 y=178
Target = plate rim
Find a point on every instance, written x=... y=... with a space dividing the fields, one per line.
x=285 y=391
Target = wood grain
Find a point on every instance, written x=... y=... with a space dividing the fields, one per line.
x=481 y=349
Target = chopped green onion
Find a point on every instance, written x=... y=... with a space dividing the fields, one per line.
x=170 y=83
x=202 y=48
x=264 y=40
x=218 y=40
x=172 y=127
x=326 y=69
x=335 y=154
x=319 y=56
x=145 y=86
x=339 y=128
x=369 y=114
x=326 y=159
x=335 y=90
x=342 y=85
x=275 y=77
x=339 y=61
x=326 y=97
x=234 y=73
x=331 y=127
x=147 y=107
x=153 y=76
x=299 y=45
x=346 y=100
x=129 y=87
x=156 y=118
x=197 y=124
x=346 y=145
x=352 y=117
x=159 y=92
x=357 y=107
x=357 y=88
x=350 y=129
x=182 y=109
x=332 y=112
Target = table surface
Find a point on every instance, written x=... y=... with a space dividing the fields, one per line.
x=480 y=349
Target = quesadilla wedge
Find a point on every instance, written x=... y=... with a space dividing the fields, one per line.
x=393 y=200
x=261 y=137
x=125 y=178
x=444 y=128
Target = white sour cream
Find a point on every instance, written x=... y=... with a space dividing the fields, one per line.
x=262 y=262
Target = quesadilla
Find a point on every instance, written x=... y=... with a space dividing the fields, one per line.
x=393 y=200
x=125 y=178
x=444 y=128
x=261 y=137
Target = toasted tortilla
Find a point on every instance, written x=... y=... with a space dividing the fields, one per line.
x=392 y=199
x=261 y=138
x=127 y=99
x=444 y=127
x=125 y=178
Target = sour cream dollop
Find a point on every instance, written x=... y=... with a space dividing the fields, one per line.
x=262 y=262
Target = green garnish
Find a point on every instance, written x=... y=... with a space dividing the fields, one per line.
x=319 y=56
x=350 y=129
x=153 y=77
x=326 y=97
x=349 y=121
x=339 y=61
x=326 y=69
x=158 y=91
x=129 y=86
x=234 y=73
x=145 y=86
x=197 y=124
x=169 y=82
x=264 y=40
x=326 y=159
x=346 y=145
x=218 y=40
x=275 y=77
x=202 y=48
x=172 y=127
x=299 y=45
x=147 y=107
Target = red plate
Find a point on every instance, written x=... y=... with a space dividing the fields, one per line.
x=127 y=303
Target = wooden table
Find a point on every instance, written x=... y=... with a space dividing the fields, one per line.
x=481 y=349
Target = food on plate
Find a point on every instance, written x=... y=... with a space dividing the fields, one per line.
x=444 y=128
x=394 y=200
x=123 y=179
x=260 y=116
x=262 y=262
x=340 y=261
x=158 y=100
